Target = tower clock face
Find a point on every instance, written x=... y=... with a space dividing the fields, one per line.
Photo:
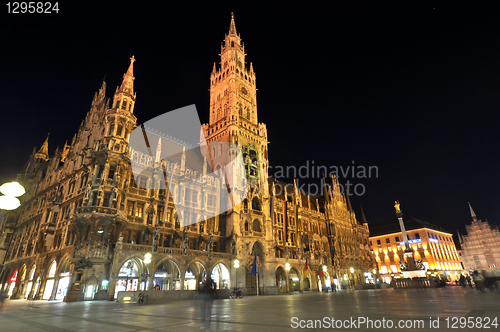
x=244 y=91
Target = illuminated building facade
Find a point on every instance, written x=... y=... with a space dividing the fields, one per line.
x=481 y=245
x=87 y=222
x=431 y=245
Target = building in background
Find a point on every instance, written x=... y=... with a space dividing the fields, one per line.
x=367 y=259
x=432 y=246
x=86 y=222
x=481 y=245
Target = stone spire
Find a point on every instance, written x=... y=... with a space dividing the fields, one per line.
x=349 y=207
x=232 y=26
x=65 y=151
x=128 y=79
x=363 y=217
x=43 y=153
x=473 y=215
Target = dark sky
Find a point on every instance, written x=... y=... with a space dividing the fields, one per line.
x=410 y=89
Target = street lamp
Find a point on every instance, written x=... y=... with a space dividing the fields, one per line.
x=287 y=268
x=236 y=266
x=147 y=258
x=11 y=191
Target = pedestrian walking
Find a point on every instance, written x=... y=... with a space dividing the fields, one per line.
x=469 y=280
x=206 y=299
x=3 y=296
x=462 y=281
x=478 y=280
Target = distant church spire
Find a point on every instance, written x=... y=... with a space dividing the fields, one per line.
x=363 y=217
x=472 y=213
x=232 y=26
x=349 y=206
x=44 y=150
x=128 y=79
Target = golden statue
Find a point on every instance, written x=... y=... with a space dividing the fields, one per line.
x=398 y=210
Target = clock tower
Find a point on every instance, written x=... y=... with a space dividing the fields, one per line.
x=233 y=111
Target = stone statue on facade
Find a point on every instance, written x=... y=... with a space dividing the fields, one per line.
x=112 y=197
x=184 y=241
x=88 y=192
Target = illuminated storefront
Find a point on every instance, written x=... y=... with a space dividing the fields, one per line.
x=49 y=285
x=220 y=275
x=12 y=283
x=62 y=285
x=29 y=286
x=189 y=280
x=128 y=278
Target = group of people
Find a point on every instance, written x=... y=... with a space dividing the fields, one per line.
x=478 y=279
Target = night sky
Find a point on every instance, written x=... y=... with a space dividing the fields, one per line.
x=413 y=90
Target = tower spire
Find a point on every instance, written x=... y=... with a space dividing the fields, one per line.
x=349 y=207
x=44 y=150
x=363 y=217
x=232 y=26
x=472 y=213
x=128 y=79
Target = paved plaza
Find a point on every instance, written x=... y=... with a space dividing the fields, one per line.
x=265 y=313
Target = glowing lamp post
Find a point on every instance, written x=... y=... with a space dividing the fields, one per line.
x=236 y=266
x=287 y=268
x=147 y=260
x=10 y=190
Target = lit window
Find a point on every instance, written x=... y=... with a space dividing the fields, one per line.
x=138 y=211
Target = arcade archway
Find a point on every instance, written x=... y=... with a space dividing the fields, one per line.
x=220 y=275
x=167 y=276
x=129 y=276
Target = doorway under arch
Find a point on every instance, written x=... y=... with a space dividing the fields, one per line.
x=251 y=280
x=281 y=279
x=220 y=275
x=129 y=276
x=167 y=276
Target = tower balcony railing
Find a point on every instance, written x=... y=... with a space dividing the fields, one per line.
x=97 y=209
x=173 y=251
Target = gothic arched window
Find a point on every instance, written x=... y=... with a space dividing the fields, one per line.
x=256 y=226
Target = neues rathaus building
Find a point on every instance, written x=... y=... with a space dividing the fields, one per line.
x=87 y=221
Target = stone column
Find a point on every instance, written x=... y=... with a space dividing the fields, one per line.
x=54 y=289
x=182 y=273
x=152 y=270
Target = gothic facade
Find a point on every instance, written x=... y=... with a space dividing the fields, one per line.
x=88 y=221
x=481 y=245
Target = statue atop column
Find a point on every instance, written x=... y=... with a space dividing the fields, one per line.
x=397 y=207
